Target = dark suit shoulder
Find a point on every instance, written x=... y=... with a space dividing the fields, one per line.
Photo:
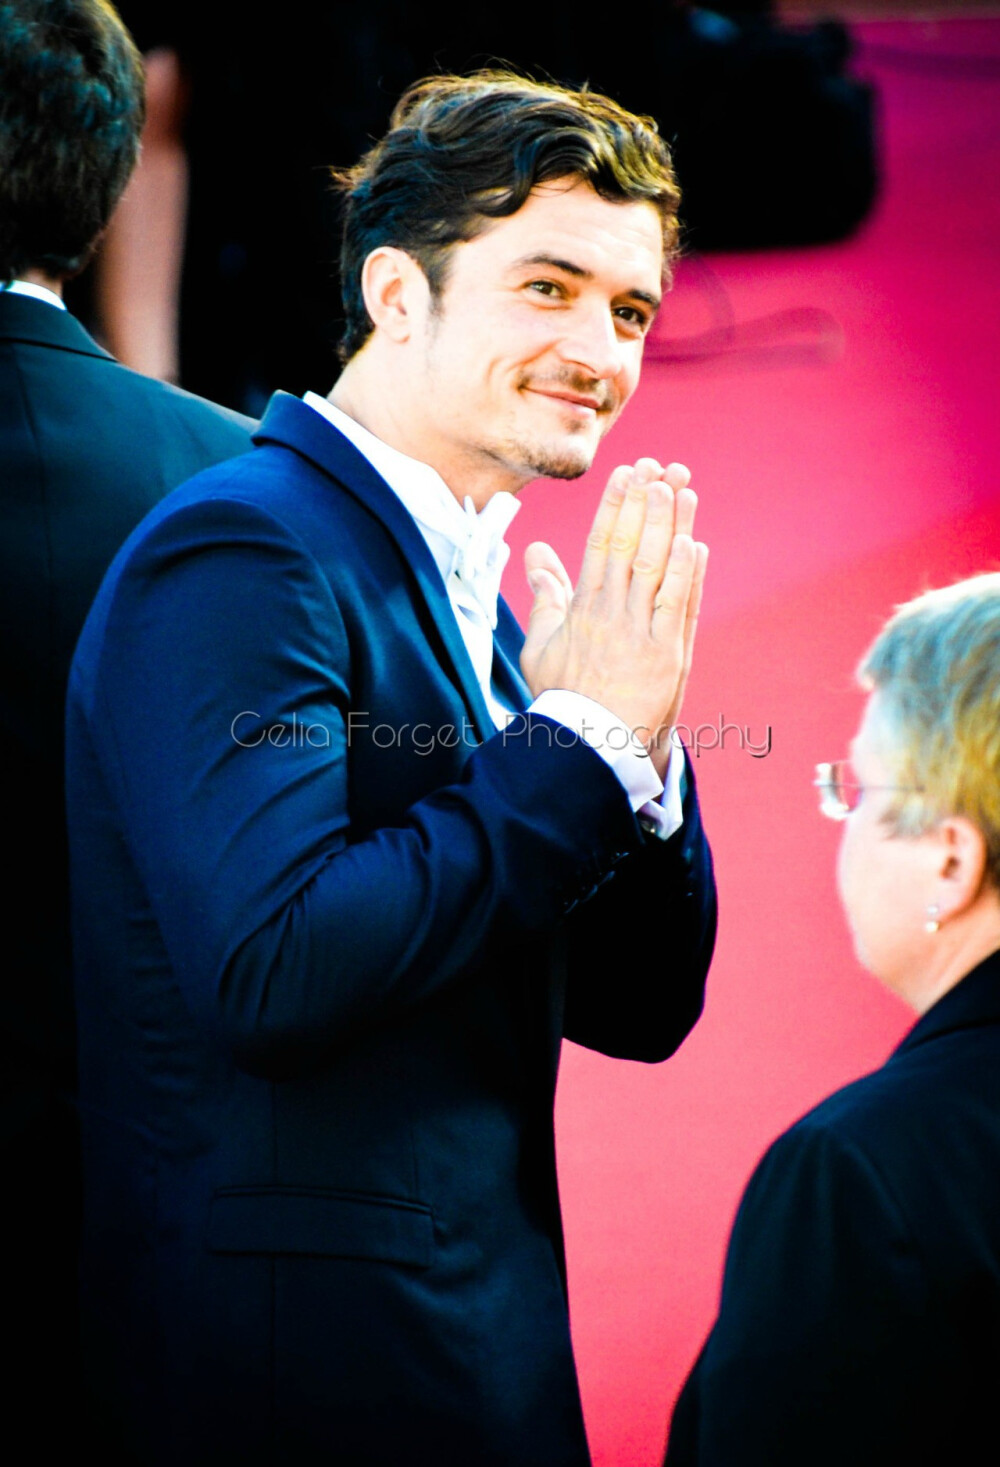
x=73 y=401
x=189 y=409
x=917 y=1099
x=87 y=447
x=833 y=1149
x=923 y=1134
x=188 y=429
x=847 y=1116
x=257 y=485
x=48 y=347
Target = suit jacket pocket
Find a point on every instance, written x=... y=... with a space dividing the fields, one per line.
x=320 y=1221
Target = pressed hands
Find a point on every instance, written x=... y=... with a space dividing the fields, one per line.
x=625 y=636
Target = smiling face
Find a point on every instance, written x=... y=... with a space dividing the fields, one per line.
x=535 y=344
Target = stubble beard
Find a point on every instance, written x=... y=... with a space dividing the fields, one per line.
x=523 y=458
x=545 y=461
x=562 y=459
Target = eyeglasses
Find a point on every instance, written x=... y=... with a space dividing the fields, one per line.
x=840 y=790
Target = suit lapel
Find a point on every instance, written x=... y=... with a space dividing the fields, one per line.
x=507 y=644
x=293 y=424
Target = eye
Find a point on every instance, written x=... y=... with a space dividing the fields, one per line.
x=549 y=288
x=633 y=316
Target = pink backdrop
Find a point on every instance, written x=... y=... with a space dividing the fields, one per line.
x=844 y=442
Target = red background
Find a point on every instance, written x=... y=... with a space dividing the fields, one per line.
x=844 y=441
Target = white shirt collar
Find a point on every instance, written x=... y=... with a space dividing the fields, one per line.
x=462 y=542
x=37 y=292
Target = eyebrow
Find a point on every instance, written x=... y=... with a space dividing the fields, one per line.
x=569 y=268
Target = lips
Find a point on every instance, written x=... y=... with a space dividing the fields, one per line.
x=583 y=400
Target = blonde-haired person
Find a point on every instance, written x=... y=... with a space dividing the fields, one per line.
x=860 y=1312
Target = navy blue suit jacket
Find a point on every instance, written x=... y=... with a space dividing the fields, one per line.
x=331 y=928
x=860 y=1313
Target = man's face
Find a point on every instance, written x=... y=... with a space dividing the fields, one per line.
x=536 y=343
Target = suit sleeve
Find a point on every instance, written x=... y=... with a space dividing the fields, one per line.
x=656 y=918
x=287 y=932
x=820 y=1353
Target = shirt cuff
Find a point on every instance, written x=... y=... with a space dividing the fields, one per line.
x=664 y=817
x=613 y=740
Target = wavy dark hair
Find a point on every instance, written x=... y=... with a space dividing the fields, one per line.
x=72 y=105
x=462 y=150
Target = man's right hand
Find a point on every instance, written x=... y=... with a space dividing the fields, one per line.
x=624 y=637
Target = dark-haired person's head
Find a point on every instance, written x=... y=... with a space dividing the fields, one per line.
x=505 y=247
x=464 y=151
x=71 y=114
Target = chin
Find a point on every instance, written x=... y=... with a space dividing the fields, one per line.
x=560 y=469
x=559 y=461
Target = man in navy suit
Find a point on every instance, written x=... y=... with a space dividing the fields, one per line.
x=86 y=448
x=351 y=857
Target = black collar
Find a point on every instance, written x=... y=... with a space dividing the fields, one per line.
x=974 y=1001
x=23 y=318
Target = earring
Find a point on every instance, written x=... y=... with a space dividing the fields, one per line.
x=933 y=912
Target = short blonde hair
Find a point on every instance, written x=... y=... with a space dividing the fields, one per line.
x=936 y=667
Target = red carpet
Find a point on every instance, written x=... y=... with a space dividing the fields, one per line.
x=844 y=440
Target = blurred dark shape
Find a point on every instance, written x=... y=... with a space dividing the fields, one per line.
x=774 y=144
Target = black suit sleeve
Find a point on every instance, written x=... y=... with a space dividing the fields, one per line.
x=820 y=1356
x=640 y=947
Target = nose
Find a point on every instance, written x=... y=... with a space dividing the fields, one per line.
x=591 y=343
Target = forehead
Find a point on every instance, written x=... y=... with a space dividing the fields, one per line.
x=566 y=219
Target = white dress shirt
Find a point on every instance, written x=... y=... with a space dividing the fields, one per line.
x=38 y=292
x=469 y=550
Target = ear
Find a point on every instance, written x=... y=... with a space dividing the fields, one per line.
x=960 y=861
x=395 y=290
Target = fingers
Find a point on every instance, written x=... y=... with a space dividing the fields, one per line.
x=694 y=600
x=677 y=476
x=643 y=511
x=686 y=505
x=662 y=525
x=693 y=605
x=539 y=556
x=595 y=555
x=690 y=627
x=552 y=592
x=670 y=609
x=617 y=528
x=650 y=561
x=645 y=496
x=625 y=638
x=550 y=598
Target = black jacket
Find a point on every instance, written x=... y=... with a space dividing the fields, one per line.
x=86 y=448
x=860 y=1313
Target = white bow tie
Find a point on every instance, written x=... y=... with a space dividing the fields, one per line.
x=462 y=542
x=480 y=559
